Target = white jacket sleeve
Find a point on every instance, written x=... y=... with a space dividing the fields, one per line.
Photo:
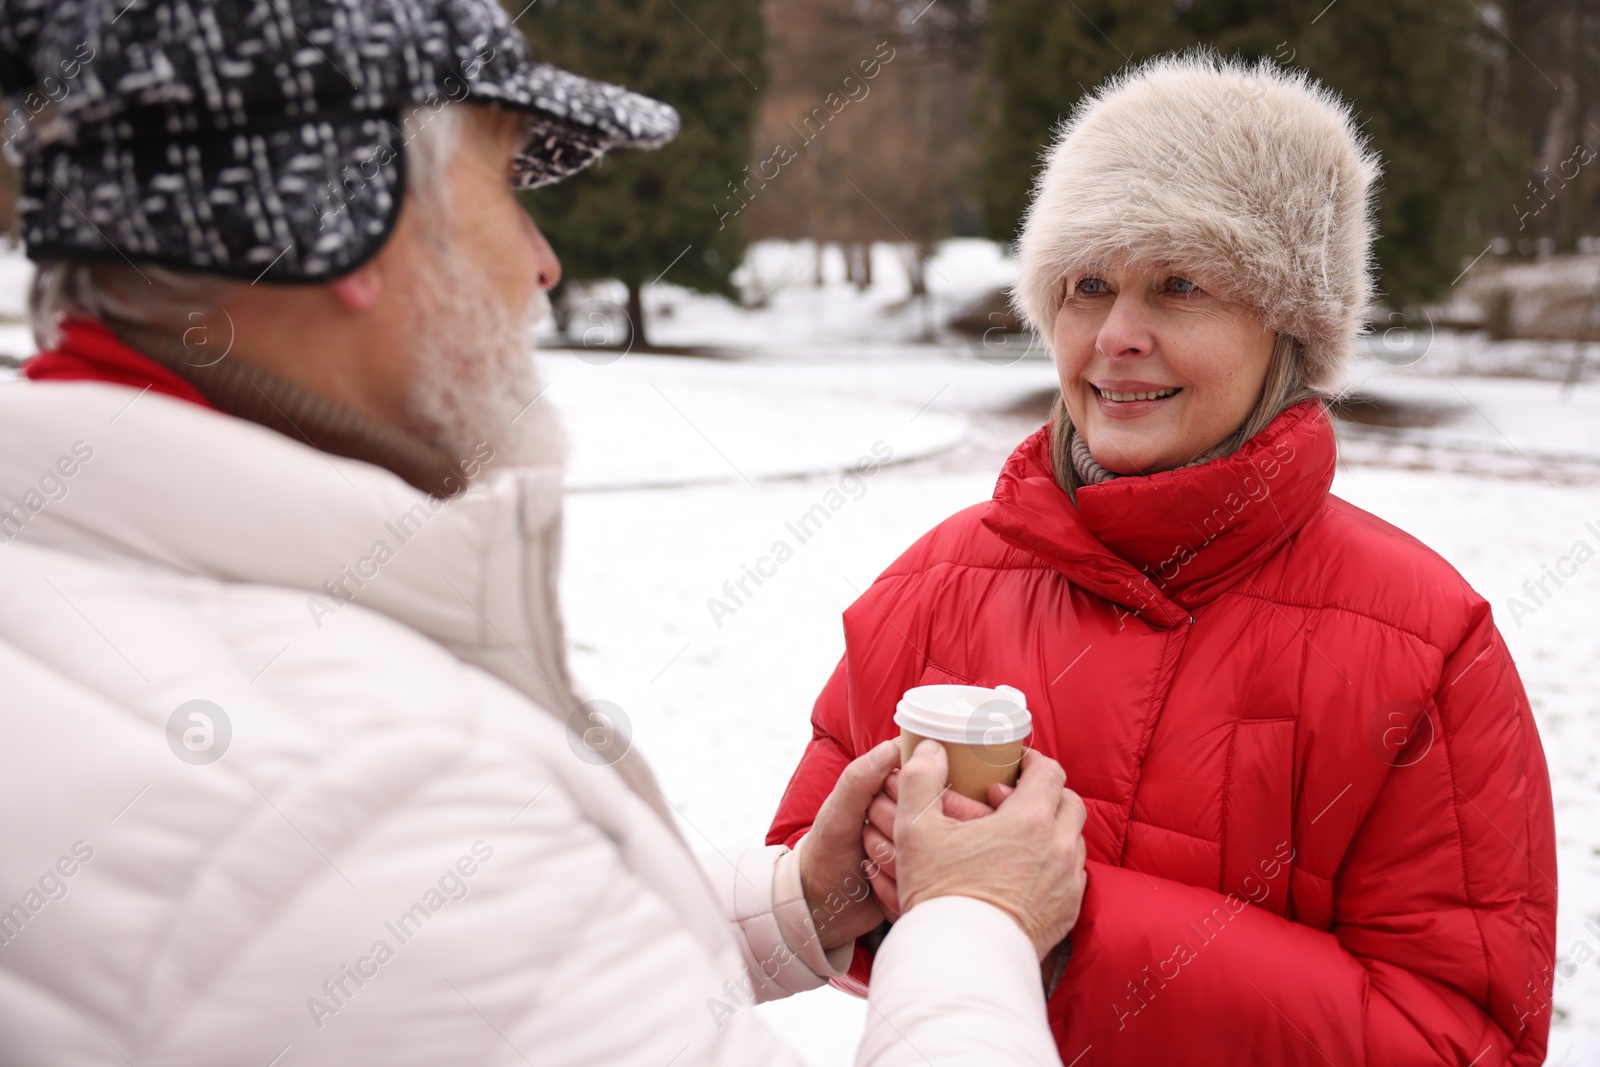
x=762 y=897
x=956 y=982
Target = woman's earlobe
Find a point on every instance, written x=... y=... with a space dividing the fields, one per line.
x=360 y=289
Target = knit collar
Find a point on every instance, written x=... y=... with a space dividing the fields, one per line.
x=1166 y=544
x=238 y=389
x=1089 y=471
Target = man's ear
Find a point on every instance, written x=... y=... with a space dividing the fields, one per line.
x=360 y=289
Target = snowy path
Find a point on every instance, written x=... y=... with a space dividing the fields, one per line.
x=1534 y=424
x=720 y=700
x=691 y=420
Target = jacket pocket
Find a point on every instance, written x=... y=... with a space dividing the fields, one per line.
x=1257 y=813
x=933 y=674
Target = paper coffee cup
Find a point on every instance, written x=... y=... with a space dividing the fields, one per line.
x=983 y=730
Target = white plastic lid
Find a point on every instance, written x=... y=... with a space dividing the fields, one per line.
x=965 y=714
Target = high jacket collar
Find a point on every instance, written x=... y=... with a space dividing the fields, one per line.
x=1164 y=545
x=174 y=485
x=167 y=484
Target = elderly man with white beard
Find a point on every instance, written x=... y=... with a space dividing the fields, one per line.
x=294 y=769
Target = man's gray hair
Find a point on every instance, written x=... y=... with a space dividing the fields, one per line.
x=163 y=297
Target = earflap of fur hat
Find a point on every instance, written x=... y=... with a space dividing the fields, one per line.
x=1254 y=178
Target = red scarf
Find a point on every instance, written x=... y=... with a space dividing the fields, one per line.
x=89 y=352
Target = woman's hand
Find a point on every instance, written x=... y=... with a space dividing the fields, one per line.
x=833 y=860
x=1026 y=859
x=878 y=835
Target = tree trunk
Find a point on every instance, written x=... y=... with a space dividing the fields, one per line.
x=561 y=312
x=636 y=333
x=916 y=262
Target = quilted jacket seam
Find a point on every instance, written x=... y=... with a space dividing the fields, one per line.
x=1036 y=564
x=357 y=838
x=1169 y=830
x=207 y=600
x=1333 y=607
x=1160 y=690
x=1222 y=815
x=1461 y=839
x=818 y=734
x=1527 y=835
x=1032 y=564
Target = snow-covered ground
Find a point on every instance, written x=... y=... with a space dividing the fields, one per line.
x=1525 y=418
x=708 y=420
x=687 y=470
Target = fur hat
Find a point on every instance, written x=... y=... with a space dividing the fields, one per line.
x=1253 y=177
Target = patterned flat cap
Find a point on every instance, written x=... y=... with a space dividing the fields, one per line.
x=265 y=139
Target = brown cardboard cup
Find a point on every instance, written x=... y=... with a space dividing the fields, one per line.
x=974 y=768
x=982 y=730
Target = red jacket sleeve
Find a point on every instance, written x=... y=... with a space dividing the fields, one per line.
x=1443 y=935
x=824 y=760
x=886 y=637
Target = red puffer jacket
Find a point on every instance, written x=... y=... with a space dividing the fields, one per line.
x=1320 y=826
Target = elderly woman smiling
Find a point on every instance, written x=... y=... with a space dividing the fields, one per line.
x=1319 y=820
x=1158 y=372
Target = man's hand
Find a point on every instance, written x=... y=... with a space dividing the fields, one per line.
x=833 y=861
x=1026 y=859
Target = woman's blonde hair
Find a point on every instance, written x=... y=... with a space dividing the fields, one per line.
x=1285 y=386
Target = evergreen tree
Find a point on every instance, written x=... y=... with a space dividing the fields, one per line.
x=1043 y=57
x=1413 y=69
x=638 y=215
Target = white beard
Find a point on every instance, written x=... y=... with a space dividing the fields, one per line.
x=474 y=380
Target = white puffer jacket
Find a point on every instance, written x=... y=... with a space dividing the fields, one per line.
x=399 y=859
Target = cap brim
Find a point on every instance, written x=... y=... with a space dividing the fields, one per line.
x=576 y=120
